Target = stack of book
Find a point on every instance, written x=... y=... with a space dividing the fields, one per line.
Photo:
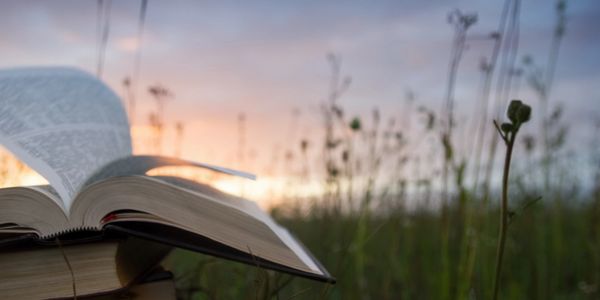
x=102 y=225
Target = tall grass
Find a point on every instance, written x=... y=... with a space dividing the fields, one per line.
x=384 y=229
x=401 y=259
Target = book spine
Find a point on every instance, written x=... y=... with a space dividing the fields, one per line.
x=67 y=231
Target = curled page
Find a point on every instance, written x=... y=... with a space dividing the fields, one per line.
x=63 y=123
x=140 y=164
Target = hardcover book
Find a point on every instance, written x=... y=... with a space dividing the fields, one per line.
x=82 y=269
x=73 y=130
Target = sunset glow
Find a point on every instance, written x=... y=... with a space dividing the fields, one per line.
x=221 y=62
x=266 y=191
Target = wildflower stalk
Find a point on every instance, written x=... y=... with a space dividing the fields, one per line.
x=503 y=214
x=518 y=113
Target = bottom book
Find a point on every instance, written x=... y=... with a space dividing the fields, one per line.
x=98 y=268
x=157 y=286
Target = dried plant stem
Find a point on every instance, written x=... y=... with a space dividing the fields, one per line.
x=138 y=59
x=509 y=140
x=104 y=34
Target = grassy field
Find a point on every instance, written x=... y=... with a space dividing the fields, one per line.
x=380 y=247
x=553 y=252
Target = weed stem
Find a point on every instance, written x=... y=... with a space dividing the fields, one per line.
x=509 y=140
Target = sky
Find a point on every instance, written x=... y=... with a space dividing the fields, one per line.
x=266 y=59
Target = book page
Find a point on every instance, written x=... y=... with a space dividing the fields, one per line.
x=140 y=164
x=63 y=123
x=250 y=208
x=48 y=191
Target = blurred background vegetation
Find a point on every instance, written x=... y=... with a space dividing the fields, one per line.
x=390 y=224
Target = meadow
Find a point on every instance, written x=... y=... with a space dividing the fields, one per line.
x=392 y=224
x=393 y=242
x=552 y=253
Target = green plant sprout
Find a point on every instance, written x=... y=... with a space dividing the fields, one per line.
x=518 y=114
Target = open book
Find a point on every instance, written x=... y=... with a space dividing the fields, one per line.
x=73 y=130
